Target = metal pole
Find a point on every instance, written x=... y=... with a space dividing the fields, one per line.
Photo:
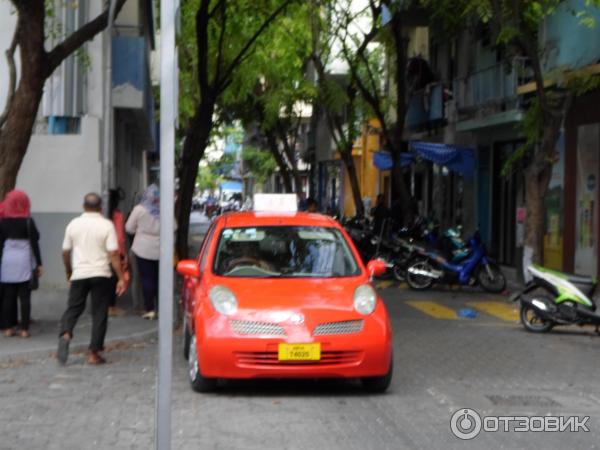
x=107 y=153
x=167 y=195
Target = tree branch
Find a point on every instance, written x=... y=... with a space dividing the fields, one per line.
x=76 y=39
x=202 y=18
x=218 y=5
x=236 y=61
x=221 y=38
x=12 y=73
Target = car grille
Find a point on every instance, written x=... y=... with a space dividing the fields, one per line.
x=271 y=358
x=249 y=327
x=345 y=327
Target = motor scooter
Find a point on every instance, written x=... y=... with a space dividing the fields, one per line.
x=555 y=298
x=430 y=266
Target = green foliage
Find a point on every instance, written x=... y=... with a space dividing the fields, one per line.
x=276 y=52
x=259 y=162
x=582 y=84
x=210 y=172
x=206 y=178
x=531 y=128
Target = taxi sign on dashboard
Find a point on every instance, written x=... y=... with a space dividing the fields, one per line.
x=275 y=203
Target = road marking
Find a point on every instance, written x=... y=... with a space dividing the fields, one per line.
x=384 y=284
x=434 y=309
x=500 y=310
x=403 y=285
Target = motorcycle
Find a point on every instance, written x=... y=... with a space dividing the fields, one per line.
x=430 y=266
x=555 y=298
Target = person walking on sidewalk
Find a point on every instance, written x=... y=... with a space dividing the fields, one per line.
x=116 y=216
x=90 y=248
x=144 y=223
x=21 y=261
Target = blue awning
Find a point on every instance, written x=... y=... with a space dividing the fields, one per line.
x=384 y=161
x=457 y=158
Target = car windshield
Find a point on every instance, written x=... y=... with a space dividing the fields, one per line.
x=284 y=251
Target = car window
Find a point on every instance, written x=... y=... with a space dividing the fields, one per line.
x=284 y=252
x=205 y=246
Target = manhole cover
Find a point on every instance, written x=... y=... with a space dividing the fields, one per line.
x=522 y=400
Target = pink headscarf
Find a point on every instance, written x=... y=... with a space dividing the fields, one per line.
x=16 y=205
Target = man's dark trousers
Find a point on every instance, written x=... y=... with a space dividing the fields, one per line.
x=100 y=288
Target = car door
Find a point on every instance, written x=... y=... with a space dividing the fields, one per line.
x=192 y=285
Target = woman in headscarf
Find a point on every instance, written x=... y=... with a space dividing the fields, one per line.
x=21 y=260
x=144 y=223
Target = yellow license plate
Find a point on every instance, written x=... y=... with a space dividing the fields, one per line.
x=299 y=352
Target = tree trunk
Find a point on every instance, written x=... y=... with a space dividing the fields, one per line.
x=537 y=178
x=283 y=168
x=15 y=134
x=348 y=161
x=196 y=140
x=399 y=189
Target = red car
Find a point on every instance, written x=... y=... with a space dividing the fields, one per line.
x=283 y=296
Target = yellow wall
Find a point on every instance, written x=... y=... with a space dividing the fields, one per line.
x=368 y=175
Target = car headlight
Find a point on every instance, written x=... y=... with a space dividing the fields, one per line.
x=365 y=299
x=223 y=300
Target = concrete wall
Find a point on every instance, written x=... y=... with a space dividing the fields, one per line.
x=52 y=231
x=58 y=170
x=7 y=25
x=563 y=36
x=129 y=15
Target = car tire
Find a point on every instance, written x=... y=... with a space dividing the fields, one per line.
x=186 y=339
x=198 y=382
x=379 y=384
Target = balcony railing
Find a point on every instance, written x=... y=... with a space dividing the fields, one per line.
x=496 y=84
x=425 y=106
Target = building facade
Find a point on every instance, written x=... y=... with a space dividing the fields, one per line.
x=64 y=158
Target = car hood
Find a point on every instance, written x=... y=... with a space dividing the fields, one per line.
x=332 y=294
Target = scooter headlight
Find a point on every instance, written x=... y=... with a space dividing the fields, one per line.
x=365 y=299
x=223 y=300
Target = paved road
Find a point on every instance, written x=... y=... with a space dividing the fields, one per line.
x=443 y=363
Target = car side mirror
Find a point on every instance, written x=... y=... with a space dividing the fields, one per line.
x=376 y=267
x=188 y=268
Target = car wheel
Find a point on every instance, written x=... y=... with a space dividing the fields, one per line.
x=379 y=384
x=186 y=339
x=199 y=383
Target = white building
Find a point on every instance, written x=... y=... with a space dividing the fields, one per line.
x=64 y=158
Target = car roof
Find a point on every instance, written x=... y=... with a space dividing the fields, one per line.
x=251 y=218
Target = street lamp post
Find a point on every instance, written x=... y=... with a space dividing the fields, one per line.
x=108 y=152
x=168 y=103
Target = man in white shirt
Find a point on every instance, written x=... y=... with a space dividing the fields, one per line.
x=90 y=248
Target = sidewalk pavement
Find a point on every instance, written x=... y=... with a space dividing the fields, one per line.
x=47 y=307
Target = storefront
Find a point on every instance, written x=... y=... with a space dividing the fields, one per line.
x=582 y=171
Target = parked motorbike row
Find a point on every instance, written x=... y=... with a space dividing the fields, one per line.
x=423 y=256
